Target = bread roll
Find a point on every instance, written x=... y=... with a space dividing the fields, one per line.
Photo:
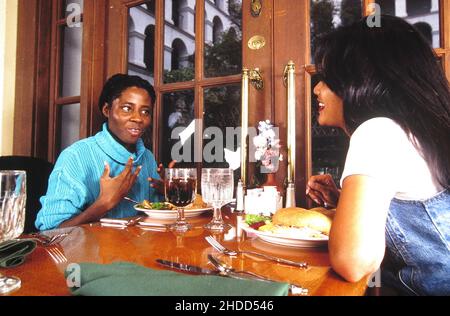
x=300 y=217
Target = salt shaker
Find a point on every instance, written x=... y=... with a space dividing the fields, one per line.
x=240 y=197
x=290 y=195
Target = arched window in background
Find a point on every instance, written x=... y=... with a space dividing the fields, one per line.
x=179 y=54
x=417 y=7
x=176 y=12
x=217 y=29
x=426 y=31
x=149 y=47
x=150 y=5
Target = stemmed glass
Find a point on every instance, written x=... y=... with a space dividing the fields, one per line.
x=180 y=188
x=12 y=215
x=217 y=190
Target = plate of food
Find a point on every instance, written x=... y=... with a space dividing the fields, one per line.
x=166 y=210
x=292 y=227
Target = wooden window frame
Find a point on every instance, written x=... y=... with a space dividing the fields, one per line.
x=36 y=93
x=120 y=64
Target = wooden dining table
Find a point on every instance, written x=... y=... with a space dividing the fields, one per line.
x=42 y=274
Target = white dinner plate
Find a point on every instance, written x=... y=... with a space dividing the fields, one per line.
x=171 y=214
x=286 y=241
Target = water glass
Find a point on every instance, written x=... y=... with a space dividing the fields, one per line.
x=217 y=190
x=12 y=215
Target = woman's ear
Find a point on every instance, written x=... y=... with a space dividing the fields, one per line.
x=105 y=109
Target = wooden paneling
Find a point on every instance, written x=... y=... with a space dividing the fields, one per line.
x=32 y=79
x=291 y=26
x=93 y=65
x=261 y=102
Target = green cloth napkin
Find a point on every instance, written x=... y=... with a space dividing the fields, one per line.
x=129 y=279
x=13 y=252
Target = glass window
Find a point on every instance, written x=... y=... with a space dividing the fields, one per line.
x=70 y=124
x=71 y=41
x=327 y=15
x=329 y=144
x=222 y=115
x=141 y=41
x=178 y=127
x=423 y=14
x=223 y=38
x=179 y=41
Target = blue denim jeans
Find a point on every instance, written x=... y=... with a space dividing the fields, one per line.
x=418 y=246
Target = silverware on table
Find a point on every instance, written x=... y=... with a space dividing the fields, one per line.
x=120 y=222
x=57 y=255
x=219 y=247
x=195 y=269
x=186 y=267
x=226 y=269
x=46 y=240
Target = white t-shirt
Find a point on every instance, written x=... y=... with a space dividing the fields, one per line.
x=379 y=148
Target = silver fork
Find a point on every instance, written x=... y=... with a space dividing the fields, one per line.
x=56 y=255
x=219 y=247
x=225 y=268
x=49 y=240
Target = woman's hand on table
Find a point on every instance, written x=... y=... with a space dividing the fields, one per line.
x=322 y=190
x=158 y=184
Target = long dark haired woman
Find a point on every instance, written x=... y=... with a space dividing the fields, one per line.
x=385 y=87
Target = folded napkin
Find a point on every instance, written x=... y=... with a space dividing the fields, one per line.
x=129 y=279
x=13 y=252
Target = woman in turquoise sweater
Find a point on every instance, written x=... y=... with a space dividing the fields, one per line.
x=92 y=176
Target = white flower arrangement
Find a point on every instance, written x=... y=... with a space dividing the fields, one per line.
x=267 y=147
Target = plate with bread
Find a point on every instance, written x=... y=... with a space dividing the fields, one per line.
x=166 y=210
x=292 y=227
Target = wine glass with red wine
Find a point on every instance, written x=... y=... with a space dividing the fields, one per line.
x=180 y=188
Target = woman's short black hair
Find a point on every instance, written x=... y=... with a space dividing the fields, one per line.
x=118 y=83
x=390 y=71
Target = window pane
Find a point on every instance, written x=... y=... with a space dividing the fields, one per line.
x=423 y=14
x=223 y=38
x=327 y=15
x=329 y=145
x=178 y=114
x=221 y=117
x=70 y=124
x=71 y=41
x=179 y=41
x=141 y=40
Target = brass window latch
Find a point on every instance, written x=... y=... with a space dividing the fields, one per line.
x=255 y=8
x=256 y=78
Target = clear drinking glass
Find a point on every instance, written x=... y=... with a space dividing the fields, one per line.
x=13 y=196
x=217 y=190
x=180 y=188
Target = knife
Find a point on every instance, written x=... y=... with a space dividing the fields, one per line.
x=186 y=267
x=199 y=270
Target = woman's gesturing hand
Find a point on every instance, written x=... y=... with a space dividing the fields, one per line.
x=322 y=190
x=113 y=190
x=158 y=184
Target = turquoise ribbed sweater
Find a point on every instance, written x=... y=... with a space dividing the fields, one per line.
x=75 y=181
